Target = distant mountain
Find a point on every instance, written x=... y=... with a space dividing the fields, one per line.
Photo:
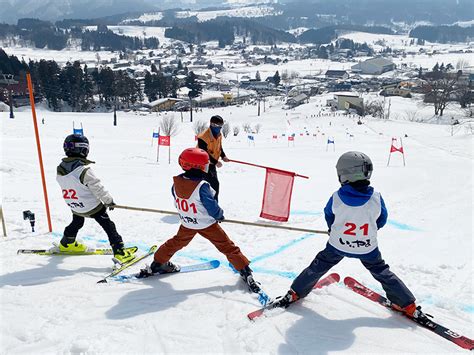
x=54 y=10
x=12 y=10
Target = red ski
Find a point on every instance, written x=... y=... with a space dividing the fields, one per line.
x=328 y=280
x=442 y=331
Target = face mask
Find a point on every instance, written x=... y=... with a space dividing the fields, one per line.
x=216 y=131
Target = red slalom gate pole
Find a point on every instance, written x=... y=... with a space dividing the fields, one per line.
x=38 y=145
x=267 y=167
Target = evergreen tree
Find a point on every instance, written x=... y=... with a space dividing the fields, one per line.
x=48 y=77
x=276 y=78
x=105 y=82
x=195 y=89
x=88 y=90
x=150 y=90
x=257 y=76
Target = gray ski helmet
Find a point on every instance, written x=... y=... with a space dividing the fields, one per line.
x=354 y=166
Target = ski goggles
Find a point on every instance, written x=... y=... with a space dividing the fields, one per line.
x=72 y=145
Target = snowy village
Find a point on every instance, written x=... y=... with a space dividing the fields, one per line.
x=236 y=177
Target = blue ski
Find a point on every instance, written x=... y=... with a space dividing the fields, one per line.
x=208 y=265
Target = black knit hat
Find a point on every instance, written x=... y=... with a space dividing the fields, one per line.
x=217 y=120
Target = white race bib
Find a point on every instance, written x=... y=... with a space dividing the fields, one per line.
x=77 y=196
x=354 y=230
x=192 y=213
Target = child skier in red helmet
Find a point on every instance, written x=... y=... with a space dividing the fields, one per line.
x=199 y=213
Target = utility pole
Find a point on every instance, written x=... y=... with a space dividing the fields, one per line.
x=258 y=99
x=389 y=105
x=238 y=86
x=8 y=79
x=10 y=100
x=115 y=111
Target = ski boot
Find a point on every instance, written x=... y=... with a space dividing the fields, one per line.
x=74 y=247
x=124 y=255
x=286 y=300
x=157 y=268
x=413 y=311
x=247 y=276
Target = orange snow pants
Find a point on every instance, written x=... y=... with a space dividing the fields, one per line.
x=214 y=233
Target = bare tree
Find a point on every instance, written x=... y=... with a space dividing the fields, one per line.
x=236 y=130
x=226 y=129
x=440 y=92
x=169 y=126
x=462 y=63
x=199 y=127
x=411 y=115
x=257 y=128
x=375 y=108
x=465 y=95
x=294 y=75
x=469 y=111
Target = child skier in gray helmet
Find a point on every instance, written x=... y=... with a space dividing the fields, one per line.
x=353 y=214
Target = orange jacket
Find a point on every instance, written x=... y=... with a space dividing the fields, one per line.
x=214 y=145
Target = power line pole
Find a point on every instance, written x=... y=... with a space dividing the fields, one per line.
x=258 y=99
x=115 y=111
x=8 y=79
x=10 y=100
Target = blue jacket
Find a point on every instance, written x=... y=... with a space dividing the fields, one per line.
x=207 y=199
x=355 y=197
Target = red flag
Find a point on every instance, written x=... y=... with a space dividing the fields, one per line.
x=164 y=140
x=395 y=149
x=277 y=195
x=291 y=138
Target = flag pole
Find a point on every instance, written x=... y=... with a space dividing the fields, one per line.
x=158 y=147
x=3 y=222
x=141 y=209
x=38 y=145
x=403 y=151
x=267 y=167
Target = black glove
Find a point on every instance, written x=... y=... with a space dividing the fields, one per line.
x=220 y=219
x=110 y=205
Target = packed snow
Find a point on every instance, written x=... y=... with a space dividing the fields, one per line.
x=54 y=305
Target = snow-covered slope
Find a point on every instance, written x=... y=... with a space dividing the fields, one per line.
x=53 y=304
x=205 y=15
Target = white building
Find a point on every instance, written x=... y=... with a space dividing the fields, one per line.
x=373 y=66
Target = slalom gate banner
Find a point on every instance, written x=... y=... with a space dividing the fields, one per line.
x=79 y=131
x=394 y=149
x=277 y=195
x=164 y=140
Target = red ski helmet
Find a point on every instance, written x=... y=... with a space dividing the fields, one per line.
x=194 y=158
